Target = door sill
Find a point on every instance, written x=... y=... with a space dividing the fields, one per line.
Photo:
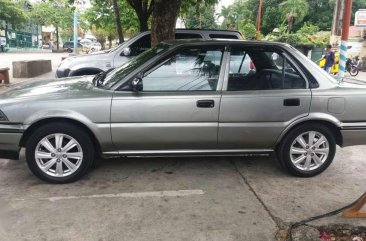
x=209 y=152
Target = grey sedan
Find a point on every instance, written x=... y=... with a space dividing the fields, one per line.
x=188 y=97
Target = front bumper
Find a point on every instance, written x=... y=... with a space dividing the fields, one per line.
x=10 y=136
x=353 y=134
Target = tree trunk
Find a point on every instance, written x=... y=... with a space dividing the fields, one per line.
x=164 y=18
x=143 y=22
x=58 y=44
x=118 y=21
x=290 y=23
x=143 y=9
x=110 y=41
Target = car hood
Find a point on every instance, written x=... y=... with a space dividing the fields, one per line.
x=51 y=88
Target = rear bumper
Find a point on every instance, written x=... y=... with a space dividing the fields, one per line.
x=354 y=134
x=10 y=136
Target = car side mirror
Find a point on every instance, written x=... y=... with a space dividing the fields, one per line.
x=126 y=51
x=136 y=84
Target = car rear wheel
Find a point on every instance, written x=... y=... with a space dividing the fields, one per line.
x=307 y=150
x=59 y=153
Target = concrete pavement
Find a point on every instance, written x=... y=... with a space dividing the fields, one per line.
x=227 y=198
x=6 y=60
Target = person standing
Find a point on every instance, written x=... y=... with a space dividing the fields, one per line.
x=329 y=59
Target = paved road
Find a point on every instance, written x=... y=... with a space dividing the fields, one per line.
x=223 y=198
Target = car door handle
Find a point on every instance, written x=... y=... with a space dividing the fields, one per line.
x=291 y=102
x=205 y=103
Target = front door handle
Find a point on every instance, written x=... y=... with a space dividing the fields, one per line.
x=291 y=102
x=205 y=103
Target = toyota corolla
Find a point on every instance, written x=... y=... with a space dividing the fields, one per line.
x=213 y=97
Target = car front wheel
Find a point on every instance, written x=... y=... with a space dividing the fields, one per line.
x=59 y=153
x=307 y=150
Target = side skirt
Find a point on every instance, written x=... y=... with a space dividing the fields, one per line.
x=213 y=152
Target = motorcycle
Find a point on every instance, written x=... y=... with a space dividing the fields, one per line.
x=352 y=66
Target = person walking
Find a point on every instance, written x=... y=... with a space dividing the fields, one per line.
x=329 y=59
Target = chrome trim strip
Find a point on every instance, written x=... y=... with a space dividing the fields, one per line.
x=214 y=152
x=11 y=128
x=353 y=126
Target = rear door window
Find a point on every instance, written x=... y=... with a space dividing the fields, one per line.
x=261 y=69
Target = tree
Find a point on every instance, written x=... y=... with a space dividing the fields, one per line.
x=294 y=11
x=201 y=13
x=271 y=19
x=143 y=9
x=235 y=14
x=12 y=12
x=100 y=19
x=164 y=18
x=58 y=14
x=320 y=14
x=118 y=21
x=205 y=20
x=248 y=30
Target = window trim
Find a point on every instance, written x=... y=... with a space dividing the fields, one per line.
x=153 y=62
x=287 y=57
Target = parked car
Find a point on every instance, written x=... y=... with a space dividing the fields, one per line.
x=69 y=46
x=95 y=46
x=93 y=64
x=212 y=97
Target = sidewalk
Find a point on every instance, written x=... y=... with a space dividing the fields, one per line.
x=360 y=77
x=6 y=60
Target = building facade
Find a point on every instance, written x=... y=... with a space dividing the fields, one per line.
x=26 y=37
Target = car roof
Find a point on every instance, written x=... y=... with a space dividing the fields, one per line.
x=224 y=41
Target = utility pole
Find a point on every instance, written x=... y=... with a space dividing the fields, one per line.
x=75 y=29
x=259 y=20
x=337 y=22
x=345 y=32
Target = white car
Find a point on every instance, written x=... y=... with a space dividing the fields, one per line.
x=95 y=46
x=95 y=63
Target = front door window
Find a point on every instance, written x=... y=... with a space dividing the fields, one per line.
x=189 y=69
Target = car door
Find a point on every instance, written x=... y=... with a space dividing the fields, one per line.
x=178 y=107
x=263 y=92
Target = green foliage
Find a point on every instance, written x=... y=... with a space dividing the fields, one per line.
x=53 y=13
x=308 y=29
x=248 y=30
x=320 y=14
x=294 y=11
x=201 y=17
x=236 y=14
x=100 y=19
x=13 y=12
x=272 y=18
x=307 y=35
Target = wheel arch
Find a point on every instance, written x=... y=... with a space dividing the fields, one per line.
x=332 y=123
x=77 y=72
x=35 y=125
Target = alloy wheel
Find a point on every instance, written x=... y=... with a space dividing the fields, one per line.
x=309 y=151
x=58 y=155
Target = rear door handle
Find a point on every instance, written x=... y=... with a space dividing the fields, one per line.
x=205 y=103
x=291 y=102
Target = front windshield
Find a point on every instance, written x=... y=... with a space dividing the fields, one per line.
x=122 y=71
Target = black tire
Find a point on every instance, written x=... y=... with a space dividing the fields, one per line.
x=64 y=128
x=69 y=50
x=353 y=71
x=283 y=150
